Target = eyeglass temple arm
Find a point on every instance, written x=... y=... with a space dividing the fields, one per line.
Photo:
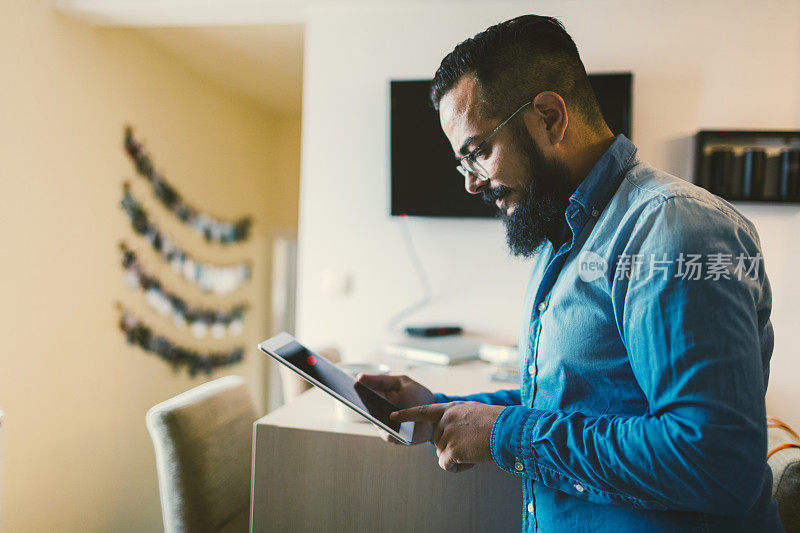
x=520 y=108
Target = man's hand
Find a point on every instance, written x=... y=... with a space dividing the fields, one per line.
x=403 y=392
x=462 y=434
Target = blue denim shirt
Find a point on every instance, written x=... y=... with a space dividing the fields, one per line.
x=644 y=356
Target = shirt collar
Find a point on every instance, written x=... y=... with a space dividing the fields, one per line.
x=599 y=185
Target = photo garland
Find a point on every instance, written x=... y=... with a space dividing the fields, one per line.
x=200 y=321
x=211 y=228
x=141 y=335
x=221 y=280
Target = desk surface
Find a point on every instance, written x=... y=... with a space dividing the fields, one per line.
x=313 y=472
x=315 y=409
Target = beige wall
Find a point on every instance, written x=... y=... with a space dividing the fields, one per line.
x=77 y=455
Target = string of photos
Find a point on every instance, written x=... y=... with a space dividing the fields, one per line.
x=200 y=321
x=140 y=334
x=211 y=228
x=219 y=279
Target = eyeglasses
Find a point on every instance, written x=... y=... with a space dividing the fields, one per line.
x=469 y=165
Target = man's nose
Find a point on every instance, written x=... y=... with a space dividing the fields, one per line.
x=473 y=184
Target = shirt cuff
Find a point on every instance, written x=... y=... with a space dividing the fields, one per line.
x=511 y=443
x=441 y=398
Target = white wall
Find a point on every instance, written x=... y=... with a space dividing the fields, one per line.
x=716 y=64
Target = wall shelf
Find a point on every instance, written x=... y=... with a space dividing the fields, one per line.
x=749 y=165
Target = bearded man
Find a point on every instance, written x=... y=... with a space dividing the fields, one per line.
x=645 y=339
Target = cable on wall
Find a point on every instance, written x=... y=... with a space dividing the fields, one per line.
x=416 y=262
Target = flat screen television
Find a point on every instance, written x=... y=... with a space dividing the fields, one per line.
x=424 y=179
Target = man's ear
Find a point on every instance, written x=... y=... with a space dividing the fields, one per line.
x=551 y=112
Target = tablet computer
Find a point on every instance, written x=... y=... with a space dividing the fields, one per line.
x=320 y=372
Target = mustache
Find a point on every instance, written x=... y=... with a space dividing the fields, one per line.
x=492 y=195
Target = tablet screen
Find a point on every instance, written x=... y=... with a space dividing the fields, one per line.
x=338 y=381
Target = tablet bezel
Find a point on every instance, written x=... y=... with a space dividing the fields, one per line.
x=270 y=346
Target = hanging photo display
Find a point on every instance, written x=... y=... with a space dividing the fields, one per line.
x=200 y=321
x=211 y=228
x=219 y=279
x=141 y=335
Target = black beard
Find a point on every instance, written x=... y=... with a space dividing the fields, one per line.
x=539 y=214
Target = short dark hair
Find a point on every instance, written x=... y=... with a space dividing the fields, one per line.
x=515 y=60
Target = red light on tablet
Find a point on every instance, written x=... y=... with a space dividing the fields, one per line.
x=311 y=360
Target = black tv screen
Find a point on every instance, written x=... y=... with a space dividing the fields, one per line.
x=425 y=181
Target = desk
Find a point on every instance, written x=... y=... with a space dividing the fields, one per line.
x=313 y=472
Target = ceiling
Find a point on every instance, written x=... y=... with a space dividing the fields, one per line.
x=263 y=63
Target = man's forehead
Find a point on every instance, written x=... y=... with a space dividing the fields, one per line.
x=459 y=113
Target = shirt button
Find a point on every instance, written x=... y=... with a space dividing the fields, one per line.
x=595 y=213
x=541 y=307
x=531 y=369
x=519 y=467
x=530 y=507
x=579 y=488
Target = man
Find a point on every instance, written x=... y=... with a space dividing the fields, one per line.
x=645 y=339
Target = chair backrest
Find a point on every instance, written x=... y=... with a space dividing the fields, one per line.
x=202 y=439
x=783 y=457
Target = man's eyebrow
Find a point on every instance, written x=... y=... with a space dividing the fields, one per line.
x=464 y=150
